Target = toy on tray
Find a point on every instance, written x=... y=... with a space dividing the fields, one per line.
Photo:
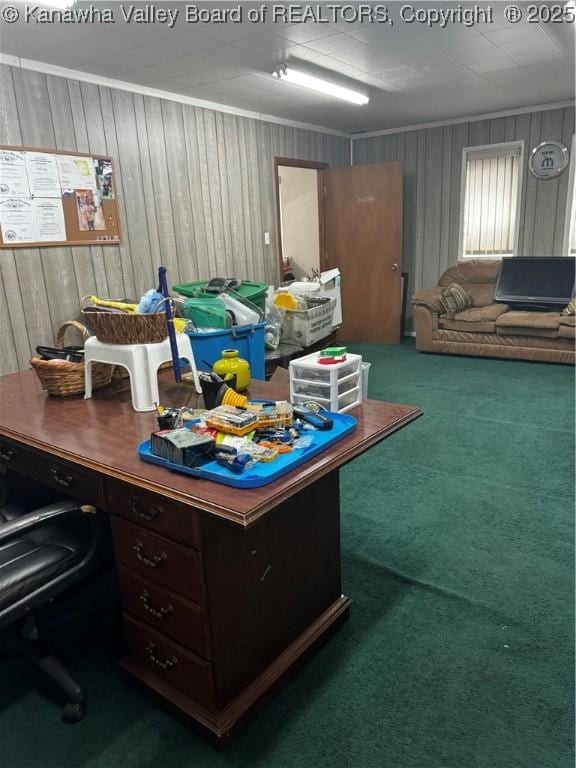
x=168 y=418
x=313 y=417
x=231 y=420
x=217 y=392
x=270 y=413
x=332 y=355
x=233 y=459
x=181 y=446
x=241 y=445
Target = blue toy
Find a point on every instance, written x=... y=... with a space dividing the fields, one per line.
x=151 y=302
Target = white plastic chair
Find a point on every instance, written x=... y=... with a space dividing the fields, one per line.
x=142 y=362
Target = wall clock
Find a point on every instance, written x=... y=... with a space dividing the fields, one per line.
x=548 y=159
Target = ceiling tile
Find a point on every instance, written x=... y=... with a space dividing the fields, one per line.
x=450 y=44
x=517 y=33
x=227 y=32
x=195 y=62
x=188 y=42
x=262 y=43
x=363 y=57
x=479 y=62
x=303 y=33
x=84 y=51
x=521 y=53
x=333 y=43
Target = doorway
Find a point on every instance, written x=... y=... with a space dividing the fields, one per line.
x=349 y=218
x=300 y=217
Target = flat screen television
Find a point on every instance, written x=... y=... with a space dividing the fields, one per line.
x=536 y=282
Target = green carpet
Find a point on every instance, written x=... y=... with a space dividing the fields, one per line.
x=457 y=538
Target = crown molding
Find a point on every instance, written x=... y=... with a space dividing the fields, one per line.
x=459 y=120
x=122 y=85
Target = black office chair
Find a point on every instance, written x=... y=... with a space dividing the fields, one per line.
x=42 y=553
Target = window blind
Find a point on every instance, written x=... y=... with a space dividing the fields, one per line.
x=491 y=193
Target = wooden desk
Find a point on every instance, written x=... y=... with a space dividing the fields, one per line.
x=225 y=592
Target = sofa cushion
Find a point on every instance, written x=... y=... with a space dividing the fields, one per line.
x=482 y=314
x=472 y=271
x=503 y=340
x=567 y=332
x=529 y=321
x=466 y=325
x=455 y=299
x=482 y=294
x=517 y=330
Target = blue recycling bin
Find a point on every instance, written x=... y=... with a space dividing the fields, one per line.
x=247 y=339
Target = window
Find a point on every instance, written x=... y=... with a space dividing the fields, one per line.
x=570 y=229
x=491 y=188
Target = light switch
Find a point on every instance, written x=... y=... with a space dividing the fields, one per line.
x=266 y=238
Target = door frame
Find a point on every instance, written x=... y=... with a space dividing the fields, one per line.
x=310 y=164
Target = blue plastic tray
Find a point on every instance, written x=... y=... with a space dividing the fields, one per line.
x=261 y=473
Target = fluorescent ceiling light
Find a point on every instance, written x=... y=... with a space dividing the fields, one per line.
x=319 y=84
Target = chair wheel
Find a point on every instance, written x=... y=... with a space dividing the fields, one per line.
x=74 y=712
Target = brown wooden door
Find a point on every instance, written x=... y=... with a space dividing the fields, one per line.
x=363 y=238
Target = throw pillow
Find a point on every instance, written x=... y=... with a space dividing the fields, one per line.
x=454 y=299
x=570 y=309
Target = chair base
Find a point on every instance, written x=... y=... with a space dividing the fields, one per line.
x=26 y=644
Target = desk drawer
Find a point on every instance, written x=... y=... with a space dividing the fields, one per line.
x=168 y=518
x=183 y=621
x=170 y=662
x=57 y=473
x=160 y=560
x=14 y=456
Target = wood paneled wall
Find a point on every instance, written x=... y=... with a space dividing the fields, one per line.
x=196 y=191
x=432 y=162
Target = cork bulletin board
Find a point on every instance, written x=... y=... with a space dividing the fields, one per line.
x=55 y=198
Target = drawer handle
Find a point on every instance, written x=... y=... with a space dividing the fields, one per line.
x=144 y=514
x=155 y=659
x=65 y=480
x=158 y=613
x=7 y=454
x=151 y=562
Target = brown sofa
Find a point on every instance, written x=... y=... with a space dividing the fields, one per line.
x=488 y=329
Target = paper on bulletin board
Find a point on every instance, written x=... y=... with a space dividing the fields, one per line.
x=13 y=176
x=50 y=224
x=18 y=220
x=43 y=175
x=76 y=173
x=90 y=213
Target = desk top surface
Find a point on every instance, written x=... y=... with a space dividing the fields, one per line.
x=102 y=434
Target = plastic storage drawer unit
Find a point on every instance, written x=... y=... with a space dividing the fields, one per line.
x=337 y=387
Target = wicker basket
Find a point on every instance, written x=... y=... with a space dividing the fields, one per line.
x=116 y=328
x=62 y=378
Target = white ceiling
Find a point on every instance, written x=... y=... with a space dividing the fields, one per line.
x=414 y=73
